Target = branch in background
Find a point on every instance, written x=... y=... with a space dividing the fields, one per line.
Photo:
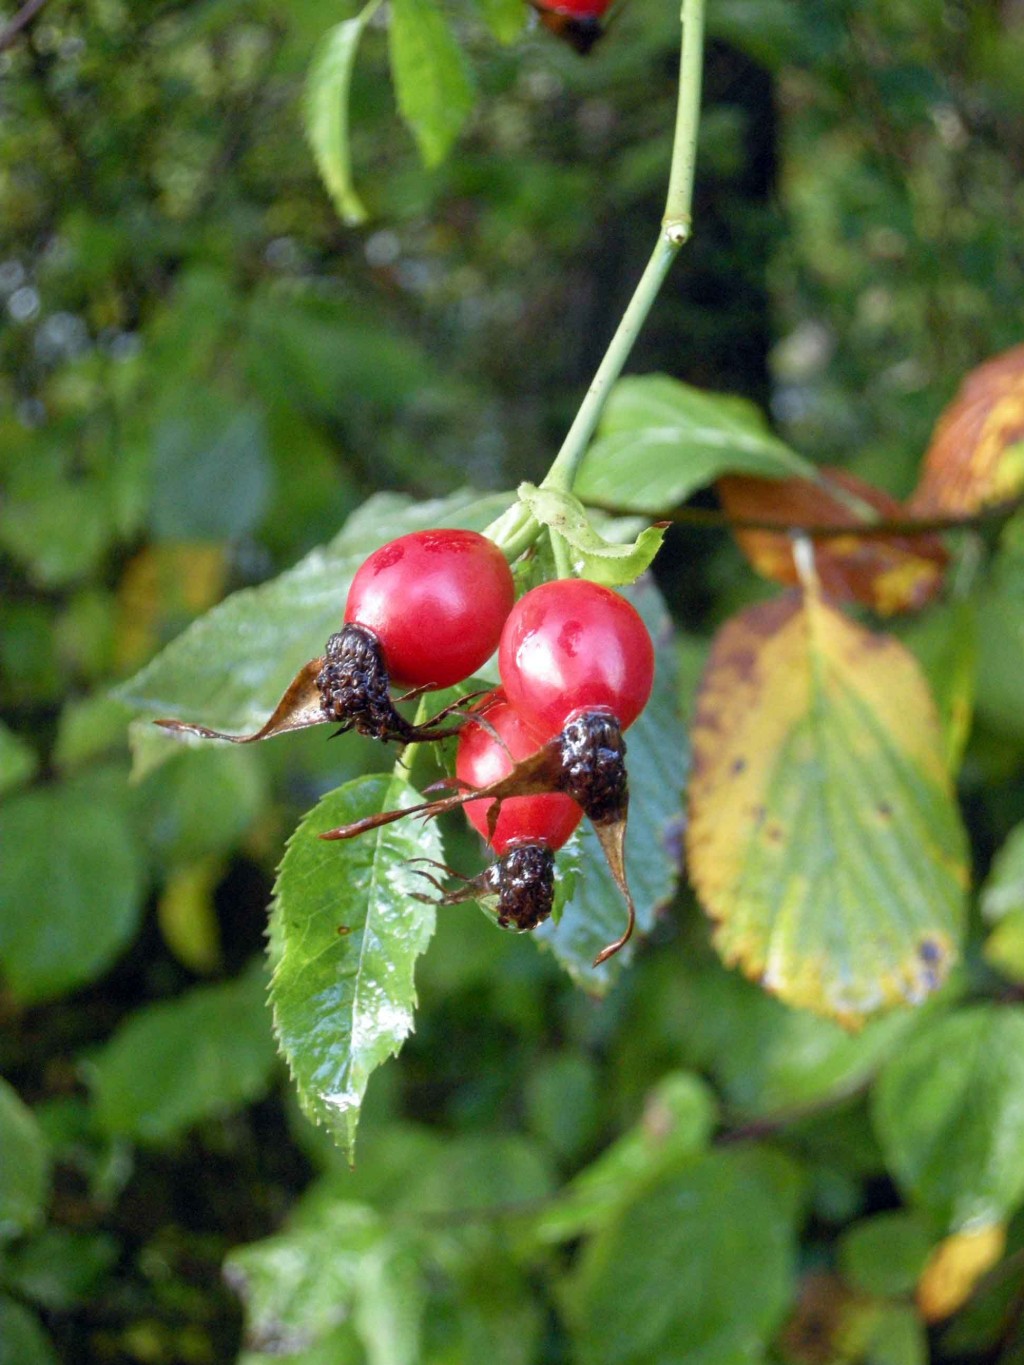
x=23 y=17
x=894 y=526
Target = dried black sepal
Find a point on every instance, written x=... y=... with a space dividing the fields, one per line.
x=347 y=686
x=355 y=691
x=593 y=755
x=520 y=886
x=587 y=761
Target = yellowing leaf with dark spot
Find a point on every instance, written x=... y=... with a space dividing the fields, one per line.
x=976 y=455
x=955 y=1267
x=824 y=840
x=888 y=573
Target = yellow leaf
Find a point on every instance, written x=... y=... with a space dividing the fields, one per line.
x=163 y=588
x=186 y=914
x=823 y=838
x=955 y=1267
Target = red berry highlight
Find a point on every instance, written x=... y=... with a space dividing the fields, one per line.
x=571 y=646
x=436 y=601
x=481 y=759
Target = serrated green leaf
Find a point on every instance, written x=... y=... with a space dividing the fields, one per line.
x=591 y=556
x=326 y=111
x=24 y=1168
x=885 y=1255
x=660 y=440
x=947 y=1110
x=697 y=1271
x=347 y=933
x=824 y=839
x=657 y=757
x=183 y=1060
x=22 y=1339
x=431 y=78
x=228 y=670
x=64 y=918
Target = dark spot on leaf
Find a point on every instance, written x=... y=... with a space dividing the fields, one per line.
x=884 y=810
x=343 y=929
x=738 y=766
x=930 y=951
x=774 y=834
x=757 y=814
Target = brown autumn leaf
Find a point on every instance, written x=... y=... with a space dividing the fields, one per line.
x=889 y=573
x=976 y=455
x=824 y=840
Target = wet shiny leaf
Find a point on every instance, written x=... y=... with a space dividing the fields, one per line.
x=347 y=932
x=824 y=840
x=661 y=440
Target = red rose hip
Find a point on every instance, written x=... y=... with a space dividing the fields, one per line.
x=482 y=759
x=571 y=646
x=436 y=601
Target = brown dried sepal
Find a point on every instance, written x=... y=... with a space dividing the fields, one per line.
x=519 y=887
x=347 y=686
x=887 y=572
x=586 y=760
x=976 y=455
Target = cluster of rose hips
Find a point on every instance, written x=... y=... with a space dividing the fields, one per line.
x=534 y=756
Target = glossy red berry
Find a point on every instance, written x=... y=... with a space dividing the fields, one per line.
x=481 y=759
x=571 y=646
x=436 y=601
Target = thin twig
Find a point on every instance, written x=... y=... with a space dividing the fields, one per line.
x=23 y=17
x=885 y=526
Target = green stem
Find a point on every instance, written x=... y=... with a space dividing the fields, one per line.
x=675 y=230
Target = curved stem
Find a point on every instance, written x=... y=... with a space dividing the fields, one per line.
x=675 y=230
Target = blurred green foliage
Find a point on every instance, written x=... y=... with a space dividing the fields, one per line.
x=202 y=374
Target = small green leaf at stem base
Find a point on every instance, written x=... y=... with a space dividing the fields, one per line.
x=590 y=555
